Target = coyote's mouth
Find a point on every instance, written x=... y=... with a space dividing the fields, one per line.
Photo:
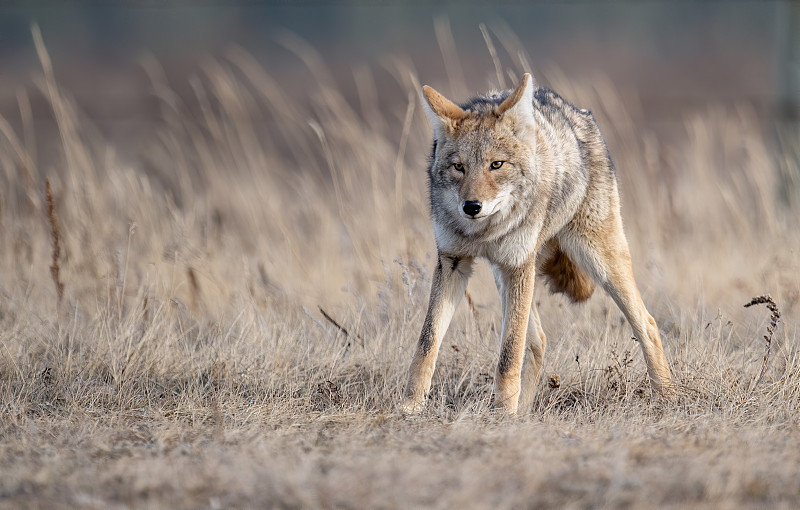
x=493 y=208
x=481 y=216
x=478 y=216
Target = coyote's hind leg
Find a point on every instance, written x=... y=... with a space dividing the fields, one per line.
x=535 y=344
x=605 y=255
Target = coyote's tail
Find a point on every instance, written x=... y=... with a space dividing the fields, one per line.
x=564 y=276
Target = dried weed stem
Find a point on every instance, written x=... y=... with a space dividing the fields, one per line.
x=194 y=286
x=55 y=234
x=775 y=316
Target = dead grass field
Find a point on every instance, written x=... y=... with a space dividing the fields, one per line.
x=189 y=363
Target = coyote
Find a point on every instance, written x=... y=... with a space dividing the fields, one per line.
x=524 y=179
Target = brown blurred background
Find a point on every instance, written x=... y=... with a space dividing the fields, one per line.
x=669 y=58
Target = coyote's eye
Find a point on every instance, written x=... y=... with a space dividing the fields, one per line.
x=496 y=164
x=459 y=167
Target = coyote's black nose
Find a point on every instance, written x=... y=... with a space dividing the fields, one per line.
x=471 y=207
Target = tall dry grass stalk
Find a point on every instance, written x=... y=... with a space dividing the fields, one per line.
x=55 y=236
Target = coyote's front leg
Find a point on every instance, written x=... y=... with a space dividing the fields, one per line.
x=516 y=293
x=447 y=289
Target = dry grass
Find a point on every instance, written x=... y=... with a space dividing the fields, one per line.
x=191 y=364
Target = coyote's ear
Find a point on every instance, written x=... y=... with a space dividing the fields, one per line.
x=442 y=113
x=519 y=105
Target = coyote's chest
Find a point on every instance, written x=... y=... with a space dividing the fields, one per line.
x=509 y=247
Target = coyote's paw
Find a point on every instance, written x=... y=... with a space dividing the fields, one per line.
x=499 y=409
x=505 y=399
x=411 y=406
x=668 y=392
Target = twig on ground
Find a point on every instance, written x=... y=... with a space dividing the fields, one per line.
x=339 y=326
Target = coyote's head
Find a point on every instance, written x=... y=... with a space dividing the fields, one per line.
x=483 y=154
